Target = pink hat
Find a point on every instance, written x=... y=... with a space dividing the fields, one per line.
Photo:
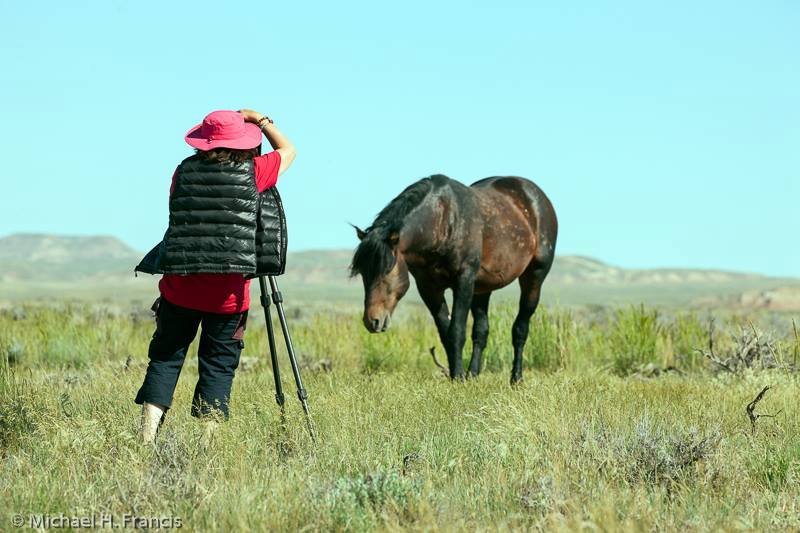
x=224 y=129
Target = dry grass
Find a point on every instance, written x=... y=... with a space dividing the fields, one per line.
x=579 y=445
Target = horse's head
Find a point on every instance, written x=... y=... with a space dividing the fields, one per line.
x=383 y=270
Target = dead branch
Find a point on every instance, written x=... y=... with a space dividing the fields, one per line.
x=444 y=370
x=710 y=355
x=751 y=407
x=711 y=335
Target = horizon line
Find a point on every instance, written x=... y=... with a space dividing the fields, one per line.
x=341 y=249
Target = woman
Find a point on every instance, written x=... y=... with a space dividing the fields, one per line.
x=207 y=250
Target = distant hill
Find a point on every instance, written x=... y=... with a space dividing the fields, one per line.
x=578 y=269
x=32 y=256
x=330 y=266
x=40 y=265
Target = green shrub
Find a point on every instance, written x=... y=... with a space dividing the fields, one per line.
x=351 y=500
x=549 y=340
x=633 y=339
x=687 y=334
x=498 y=354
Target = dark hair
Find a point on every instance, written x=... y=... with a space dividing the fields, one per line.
x=374 y=256
x=229 y=154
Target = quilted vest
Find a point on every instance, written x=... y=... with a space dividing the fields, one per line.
x=219 y=223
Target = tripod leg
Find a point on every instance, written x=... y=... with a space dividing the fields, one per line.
x=277 y=297
x=273 y=352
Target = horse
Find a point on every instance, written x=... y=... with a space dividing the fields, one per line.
x=472 y=240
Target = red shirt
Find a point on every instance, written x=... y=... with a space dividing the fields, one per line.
x=219 y=293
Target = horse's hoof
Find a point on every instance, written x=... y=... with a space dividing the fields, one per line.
x=516 y=381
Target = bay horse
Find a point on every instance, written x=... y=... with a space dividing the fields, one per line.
x=473 y=240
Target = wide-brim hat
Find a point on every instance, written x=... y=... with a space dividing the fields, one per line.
x=224 y=129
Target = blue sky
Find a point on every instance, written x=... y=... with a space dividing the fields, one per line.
x=666 y=134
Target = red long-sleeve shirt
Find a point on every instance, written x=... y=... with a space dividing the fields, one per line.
x=219 y=293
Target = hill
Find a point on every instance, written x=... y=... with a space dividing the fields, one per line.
x=40 y=265
x=30 y=256
x=330 y=266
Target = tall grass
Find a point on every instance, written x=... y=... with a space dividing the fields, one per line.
x=586 y=442
x=622 y=339
x=633 y=339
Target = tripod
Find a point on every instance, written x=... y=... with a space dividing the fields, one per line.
x=277 y=298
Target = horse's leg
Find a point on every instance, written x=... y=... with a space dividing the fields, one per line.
x=457 y=333
x=480 y=330
x=530 y=283
x=437 y=305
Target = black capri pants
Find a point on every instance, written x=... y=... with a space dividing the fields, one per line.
x=221 y=343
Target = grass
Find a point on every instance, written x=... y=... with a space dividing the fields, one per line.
x=587 y=441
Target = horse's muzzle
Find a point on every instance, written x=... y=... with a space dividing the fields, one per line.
x=377 y=325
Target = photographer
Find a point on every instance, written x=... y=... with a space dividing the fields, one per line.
x=206 y=253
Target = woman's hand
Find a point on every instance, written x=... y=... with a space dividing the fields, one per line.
x=276 y=139
x=250 y=115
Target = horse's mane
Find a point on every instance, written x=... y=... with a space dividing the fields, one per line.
x=374 y=257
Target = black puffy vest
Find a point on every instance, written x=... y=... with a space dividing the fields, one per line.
x=219 y=223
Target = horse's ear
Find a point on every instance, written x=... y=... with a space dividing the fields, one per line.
x=360 y=233
x=394 y=238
